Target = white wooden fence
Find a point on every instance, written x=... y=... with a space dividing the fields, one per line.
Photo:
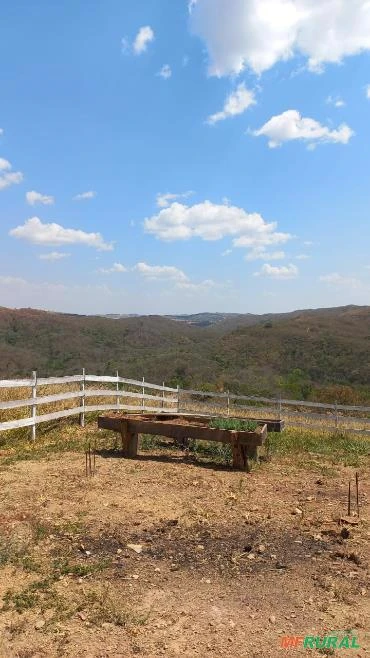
x=166 y=401
x=295 y=413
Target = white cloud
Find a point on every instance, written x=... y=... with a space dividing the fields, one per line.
x=203 y=286
x=35 y=197
x=5 y=164
x=210 y=221
x=8 y=177
x=236 y=103
x=227 y=252
x=34 y=231
x=174 y=275
x=335 y=279
x=368 y=92
x=284 y=272
x=302 y=257
x=1 y=131
x=162 y=272
x=165 y=72
x=336 y=101
x=259 y=33
x=144 y=36
x=290 y=125
x=54 y=255
x=85 y=195
x=116 y=267
x=261 y=254
x=164 y=200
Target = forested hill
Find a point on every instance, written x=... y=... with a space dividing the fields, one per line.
x=295 y=352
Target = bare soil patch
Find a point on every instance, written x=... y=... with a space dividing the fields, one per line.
x=171 y=556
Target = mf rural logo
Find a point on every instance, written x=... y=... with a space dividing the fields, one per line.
x=335 y=640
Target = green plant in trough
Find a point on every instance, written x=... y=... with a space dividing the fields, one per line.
x=233 y=424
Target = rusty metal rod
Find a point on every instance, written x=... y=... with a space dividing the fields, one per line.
x=349 y=498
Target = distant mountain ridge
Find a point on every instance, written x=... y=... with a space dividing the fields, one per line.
x=245 y=353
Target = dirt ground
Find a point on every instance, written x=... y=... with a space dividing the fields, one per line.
x=167 y=556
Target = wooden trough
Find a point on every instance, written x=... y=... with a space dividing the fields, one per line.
x=179 y=427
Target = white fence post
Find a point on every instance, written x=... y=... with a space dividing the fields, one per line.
x=163 y=395
x=82 y=388
x=228 y=403
x=143 y=393
x=34 y=406
x=117 y=389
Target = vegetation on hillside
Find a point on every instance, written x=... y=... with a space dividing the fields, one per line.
x=320 y=355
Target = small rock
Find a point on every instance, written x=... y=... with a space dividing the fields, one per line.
x=207 y=581
x=40 y=624
x=297 y=511
x=251 y=556
x=119 y=551
x=82 y=616
x=261 y=549
x=88 y=553
x=272 y=619
x=309 y=498
x=157 y=570
x=135 y=576
x=200 y=547
x=137 y=548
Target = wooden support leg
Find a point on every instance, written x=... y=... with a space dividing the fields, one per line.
x=240 y=461
x=243 y=455
x=132 y=445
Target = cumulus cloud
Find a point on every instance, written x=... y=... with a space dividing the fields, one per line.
x=143 y=38
x=116 y=267
x=165 y=72
x=54 y=255
x=290 y=125
x=259 y=33
x=53 y=235
x=161 y=272
x=262 y=254
x=284 y=272
x=175 y=276
x=7 y=176
x=210 y=221
x=36 y=197
x=85 y=195
x=236 y=103
x=336 y=279
x=164 y=200
x=336 y=101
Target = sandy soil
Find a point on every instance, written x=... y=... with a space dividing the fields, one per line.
x=161 y=556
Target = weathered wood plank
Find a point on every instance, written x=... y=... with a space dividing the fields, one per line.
x=176 y=431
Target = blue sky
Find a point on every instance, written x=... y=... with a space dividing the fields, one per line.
x=161 y=157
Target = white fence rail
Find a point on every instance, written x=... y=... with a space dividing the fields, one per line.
x=295 y=413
